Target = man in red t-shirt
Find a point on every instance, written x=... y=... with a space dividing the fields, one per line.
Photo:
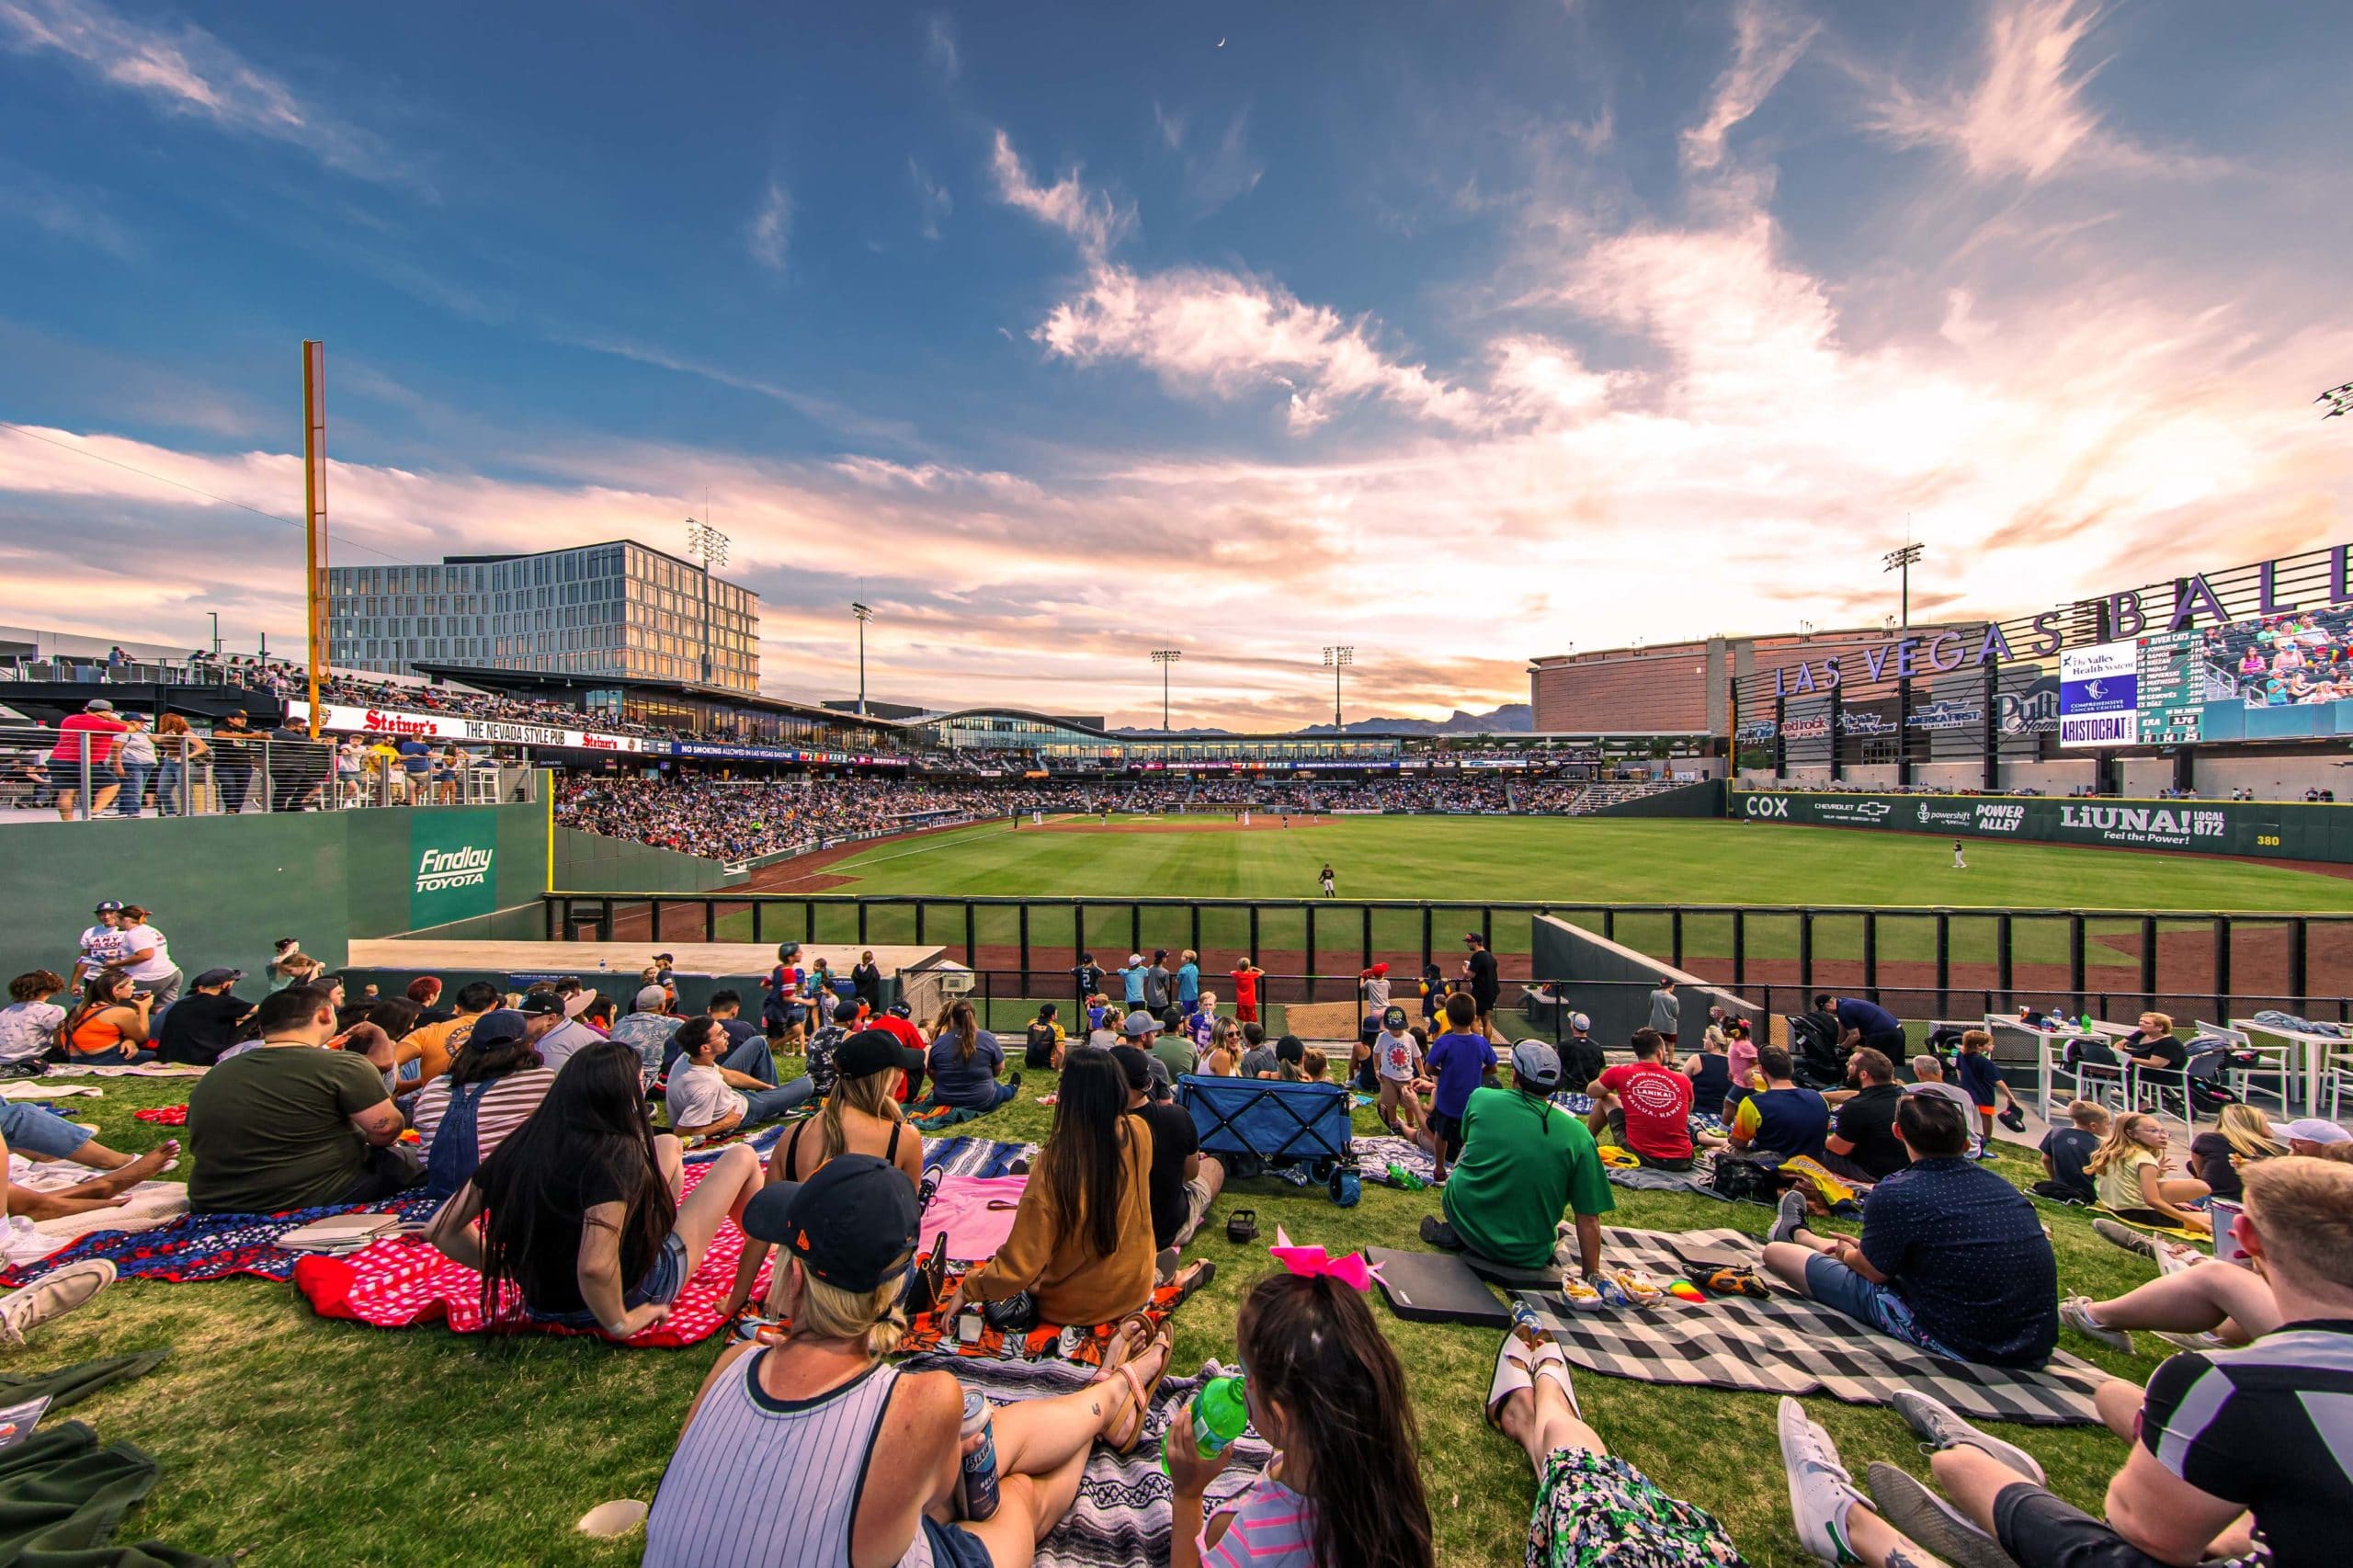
x=1645 y=1106
x=1246 y=991
x=92 y=733
x=896 y=1021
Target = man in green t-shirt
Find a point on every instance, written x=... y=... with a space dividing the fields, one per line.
x=1524 y=1160
x=289 y=1125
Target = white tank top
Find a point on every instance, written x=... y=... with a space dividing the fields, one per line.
x=763 y=1482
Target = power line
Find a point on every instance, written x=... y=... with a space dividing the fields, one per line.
x=182 y=485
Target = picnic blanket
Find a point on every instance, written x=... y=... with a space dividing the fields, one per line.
x=147 y=1206
x=123 y=1070
x=1121 y=1514
x=1379 y=1152
x=976 y=1214
x=933 y=1117
x=969 y=1156
x=2143 y=1226
x=1083 y=1344
x=1787 y=1345
x=35 y=1089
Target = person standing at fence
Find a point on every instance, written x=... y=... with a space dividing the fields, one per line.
x=1245 y=976
x=1487 y=986
x=1666 y=1012
x=237 y=749
x=179 y=753
x=85 y=745
x=135 y=764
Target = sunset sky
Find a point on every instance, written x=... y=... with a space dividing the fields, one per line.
x=1460 y=334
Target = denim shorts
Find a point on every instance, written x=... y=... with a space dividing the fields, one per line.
x=35 y=1130
x=952 y=1548
x=1835 y=1285
x=660 y=1287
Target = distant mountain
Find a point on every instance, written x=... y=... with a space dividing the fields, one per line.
x=1511 y=719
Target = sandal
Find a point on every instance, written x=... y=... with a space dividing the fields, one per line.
x=1139 y=1410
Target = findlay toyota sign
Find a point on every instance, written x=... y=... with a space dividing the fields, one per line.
x=2212 y=827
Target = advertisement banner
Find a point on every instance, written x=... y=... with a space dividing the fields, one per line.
x=452 y=853
x=2267 y=828
x=402 y=724
x=2100 y=695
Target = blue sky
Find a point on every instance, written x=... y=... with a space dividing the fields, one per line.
x=1062 y=333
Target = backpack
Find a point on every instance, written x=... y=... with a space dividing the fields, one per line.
x=2209 y=1059
x=1737 y=1176
x=2090 y=1052
x=1816 y=1059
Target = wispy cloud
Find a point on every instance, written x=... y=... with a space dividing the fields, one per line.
x=769 y=235
x=61 y=210
x=2027 y=114
x=1220 y=172
x=1767 y=43
x=1094 y=218
x=933 y=203
x=939 y=47
x=190 y=72
x=824 y=411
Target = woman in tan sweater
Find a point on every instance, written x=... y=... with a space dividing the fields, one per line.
x=1081 y=1244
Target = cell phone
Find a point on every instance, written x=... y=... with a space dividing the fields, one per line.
x=968 y=1325
x=2222 y=1213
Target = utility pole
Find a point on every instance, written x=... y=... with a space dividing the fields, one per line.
x=864 y=614
x=1337 y=659
x=711 y=546
x=216 y=634
x=1165 y=657
x=314 y=514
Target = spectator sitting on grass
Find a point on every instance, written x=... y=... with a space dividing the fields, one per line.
x=1224 y=1057
x=1952 y=1258
x=1172 y=1048
x=1709 y=1070
x=1862 y=1145
x=965 y=1060
x=492 y=1088
x=706 y=1098
x=1524 y=1161
x=1043 y=1047
x=108 y=1027
x=584 y=1222
x=818 y=1061
x=2067 y=1152
x=746 y=1050
x=29 y=1023
x=290 y=1126
x=1185 y=1181
x=1782 y=1118
x=568 y=1036
x=2128 y=1174
x=1258 y=1059
x=2242 y=1135
x=1582 y=1058
x=1928 y=1079
x=1645 y=1106
x=1312 y=1065
x=646 y=1029
x=2229 y=1448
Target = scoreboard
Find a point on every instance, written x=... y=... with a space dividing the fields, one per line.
x=2173 y=689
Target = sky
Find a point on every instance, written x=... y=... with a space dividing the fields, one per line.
x=1062 y=332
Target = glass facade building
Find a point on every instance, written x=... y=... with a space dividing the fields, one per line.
x=619 y=610
x=1064 y=743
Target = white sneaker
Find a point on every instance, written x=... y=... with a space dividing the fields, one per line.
x=52 y=1296
x=1821 y=1492
x=1939 y=1427
x=2075 y=1311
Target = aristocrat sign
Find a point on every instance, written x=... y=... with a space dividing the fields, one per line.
x=2271 y=829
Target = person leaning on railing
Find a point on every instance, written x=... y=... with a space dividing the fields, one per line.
x=179 y=753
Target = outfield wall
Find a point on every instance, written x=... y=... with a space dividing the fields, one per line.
x=1611 y=983
x=593 y=863
x=1705 y=799
x=222 y=889
x=2263 y=829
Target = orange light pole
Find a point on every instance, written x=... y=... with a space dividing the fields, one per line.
x=314 y=513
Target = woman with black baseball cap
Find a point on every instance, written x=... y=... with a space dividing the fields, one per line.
x=862 y=1116
x=812 y=1413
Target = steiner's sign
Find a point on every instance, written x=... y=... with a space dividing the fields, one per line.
x=2099 y=703
x=403 y=723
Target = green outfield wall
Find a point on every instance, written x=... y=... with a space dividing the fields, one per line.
x=2268 y=829
x=221 y=889
x=593 y=863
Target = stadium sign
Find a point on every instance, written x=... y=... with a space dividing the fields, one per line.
x=2269 y=829
x=2194 y=602
x=2099 y=703
x=780 y=753
x=452 y=857
x=407 y=724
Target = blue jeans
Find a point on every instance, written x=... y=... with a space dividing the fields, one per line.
x=1835 y=1285
x=134 y=788
x=766 y=1104
x=32 y=1130
x=167 y=789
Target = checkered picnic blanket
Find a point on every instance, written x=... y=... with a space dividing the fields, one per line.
x=1786 y=1345
x=970 y=1156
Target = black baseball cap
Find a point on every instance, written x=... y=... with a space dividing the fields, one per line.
x=1291 y=1048
x=1136 y=1063
x=870 y=1051
x=219 y=977
x=1392 y=1018
x=109 y=906
x=854 y=1225
x=500 y=1026
x=540 y=1002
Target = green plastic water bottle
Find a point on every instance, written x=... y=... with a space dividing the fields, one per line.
x=1219 y=1416
x=1405 y=1178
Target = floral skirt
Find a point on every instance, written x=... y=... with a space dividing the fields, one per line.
x=1597 y=1511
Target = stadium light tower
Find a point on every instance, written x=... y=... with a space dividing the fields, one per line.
x=1165 y=657
x=864 y=613
x=2339 y=401
x=1901 y=560
x=710 y=546
x=1336 y=660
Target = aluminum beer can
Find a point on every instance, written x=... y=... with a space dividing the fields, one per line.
x=980 y=1465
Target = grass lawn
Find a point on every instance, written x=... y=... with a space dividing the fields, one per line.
x=307 y=1441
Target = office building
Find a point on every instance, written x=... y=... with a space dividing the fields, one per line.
x=619 y=611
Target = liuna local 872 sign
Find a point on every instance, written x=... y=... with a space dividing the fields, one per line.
x=2100 y=702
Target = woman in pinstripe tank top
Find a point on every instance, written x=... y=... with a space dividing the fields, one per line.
x=812 y=1453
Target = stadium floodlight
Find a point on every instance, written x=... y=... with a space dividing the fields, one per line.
x=1165 y=657
x=710 y=546
x=864 y=614
x=1901 y=560
x=1337 y=659
x=2339 y=401
x=1805 y=629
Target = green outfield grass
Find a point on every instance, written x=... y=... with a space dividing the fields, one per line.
x=1591 y=859
x=309 y=1442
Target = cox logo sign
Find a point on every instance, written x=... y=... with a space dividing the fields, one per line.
x=1767 y=806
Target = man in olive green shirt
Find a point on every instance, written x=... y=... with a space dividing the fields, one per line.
x=294 y=1122
x=1524 y=1160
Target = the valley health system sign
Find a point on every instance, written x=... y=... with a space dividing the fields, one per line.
x=2100 y=695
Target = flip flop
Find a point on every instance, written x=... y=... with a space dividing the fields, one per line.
x=1140 y=1409
x=1130 y=1337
